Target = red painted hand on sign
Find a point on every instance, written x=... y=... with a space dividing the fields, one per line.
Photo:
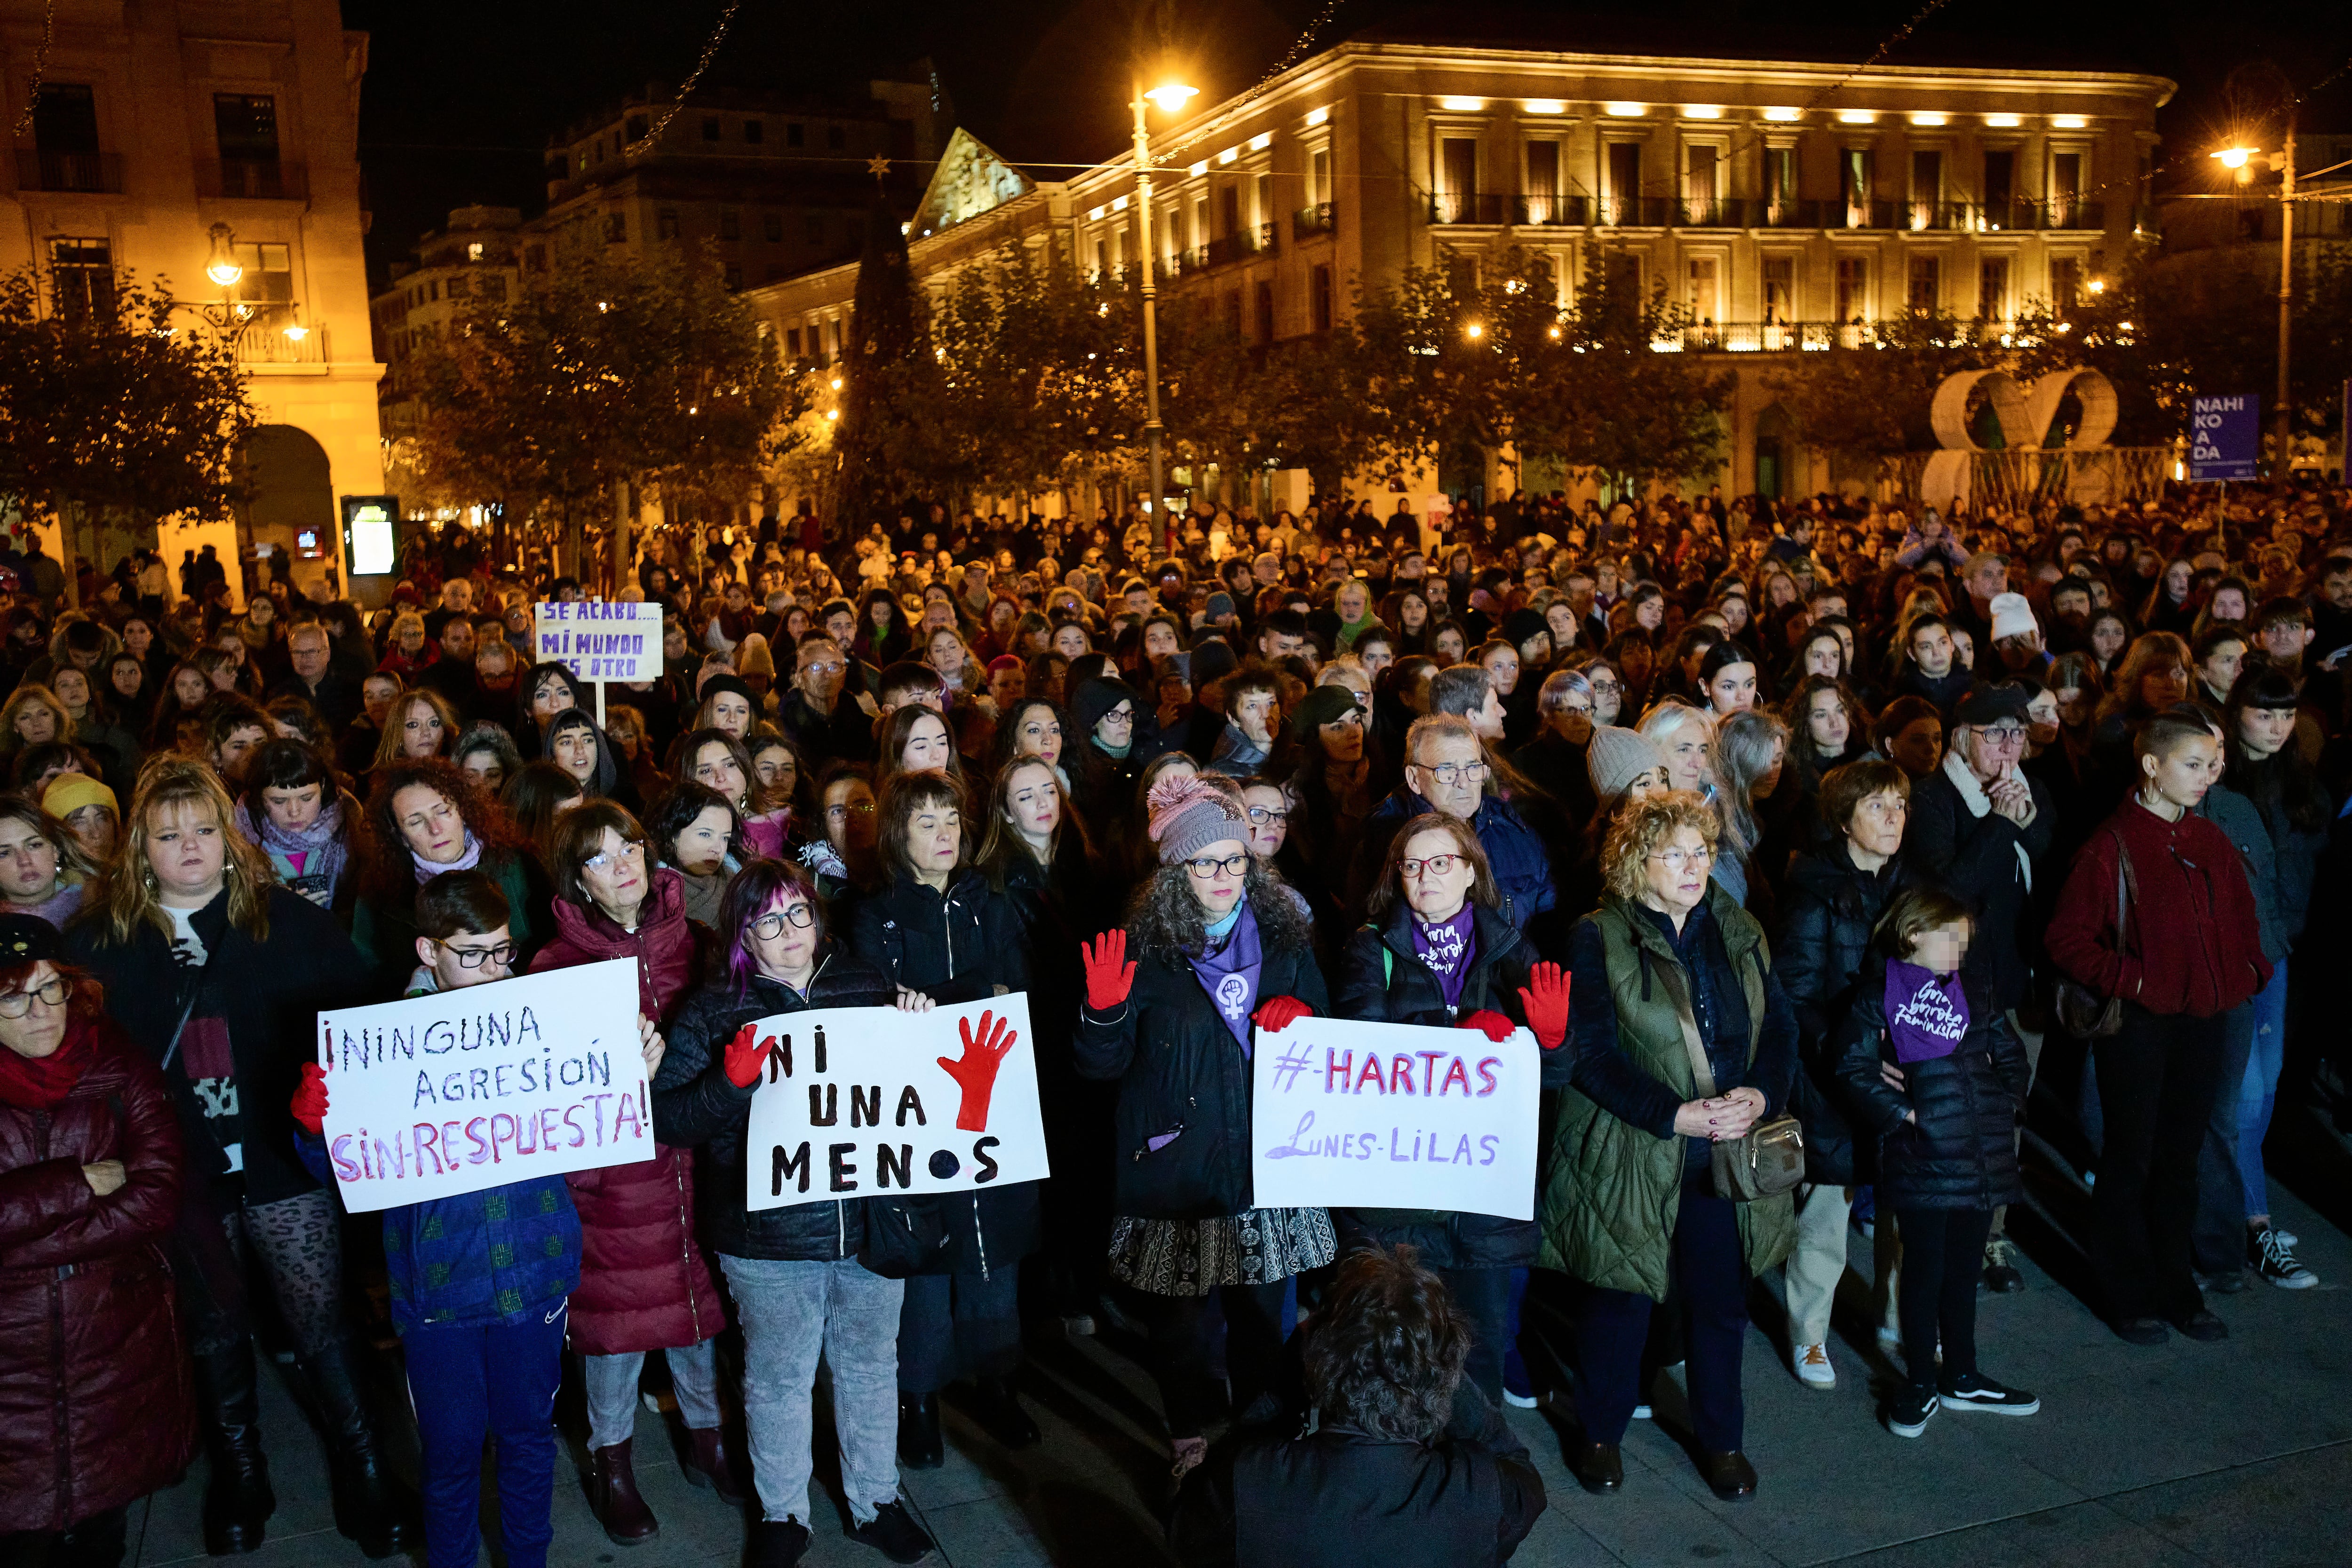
x=976 y=1073
x=746 y=1055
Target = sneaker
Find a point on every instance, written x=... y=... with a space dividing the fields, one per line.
x=777 y=1544
x=1976 y=1392
x=895 y=1535
x=1889 y=1340
x=2001 y=1276
x=2141 y=1331
x=1813 y=1367
x=1518 y=1388
x=2271 y=1254
x=1909 y=1411
x=1519 y=1400
x=1641 y=1413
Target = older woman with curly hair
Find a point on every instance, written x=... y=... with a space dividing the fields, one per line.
x=425 y=817
x=1218 y=943
x=1670 y=961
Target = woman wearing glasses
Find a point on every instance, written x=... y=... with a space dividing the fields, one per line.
x=800 y=1290
x=426 y=818
x=1217 y=944
x=643 y=1284
x=1438 y=953
x=1627 y=1201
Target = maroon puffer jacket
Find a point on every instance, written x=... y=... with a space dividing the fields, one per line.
x=96 y=1409
x=644 y=1283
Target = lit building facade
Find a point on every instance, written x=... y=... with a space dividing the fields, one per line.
x=165 y=142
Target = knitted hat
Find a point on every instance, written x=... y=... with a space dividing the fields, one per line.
x=1617 y=757
x=1522 y=625
x=69 y=792
x=1324 y=705
x=1220 y=605
x=2012 y=617
x=1097 y=696
x=725 y=681
x=26 y=938
x=1191 y=811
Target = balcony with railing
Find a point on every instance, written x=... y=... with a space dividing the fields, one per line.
x=267 y=339
x=1469 y=207
x=49 y=168
x=252 y=179
x=1546 y=212
x=1321 y=218
x=1240 y=245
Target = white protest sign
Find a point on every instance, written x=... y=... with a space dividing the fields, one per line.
x=1384 y=1116
x=602 y=640
x=476 y=1088
x=856 y=1102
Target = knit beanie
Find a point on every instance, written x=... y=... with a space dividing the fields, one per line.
x=1324 y=705
x=1617 y=757
x=1096 y=697
x=1192 y=811
x=69 y=792
x=726 y=682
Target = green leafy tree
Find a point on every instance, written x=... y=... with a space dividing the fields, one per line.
x=1616 y=408
x=1866 y=398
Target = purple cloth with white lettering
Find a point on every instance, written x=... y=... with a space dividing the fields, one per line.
x=1228 y=971
x=1927 y=1016
x=1448 y=948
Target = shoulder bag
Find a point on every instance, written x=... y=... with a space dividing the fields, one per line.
x=2081 y=1013
x=1769 y=1157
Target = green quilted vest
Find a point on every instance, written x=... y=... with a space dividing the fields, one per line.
x=1609 y=1190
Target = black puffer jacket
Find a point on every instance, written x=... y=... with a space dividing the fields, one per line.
x=956 y=946
x=1826 y=915
x=1181 y=1071
x=1962 y=1151
x=1383 y=980
x=695 y=1103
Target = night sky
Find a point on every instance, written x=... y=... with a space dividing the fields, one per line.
x=461 y=97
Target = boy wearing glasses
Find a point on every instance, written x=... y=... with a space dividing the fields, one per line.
x=479 y=1280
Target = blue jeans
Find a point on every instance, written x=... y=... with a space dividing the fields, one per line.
x=791 y=1312
x=497 y=1379
x=2258 y=1093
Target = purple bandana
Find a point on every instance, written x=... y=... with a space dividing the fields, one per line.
x=1229 y=969
x=1448 y=947
x=1927 y=1016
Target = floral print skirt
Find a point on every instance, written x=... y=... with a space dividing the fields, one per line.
x=1189 y=1256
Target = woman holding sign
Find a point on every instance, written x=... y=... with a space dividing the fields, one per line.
x=1438 y=952
x=1219 y=944
x=799 y=1288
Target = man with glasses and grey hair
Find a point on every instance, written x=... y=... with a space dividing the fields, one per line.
x=1447 y=770
x=1981 y=828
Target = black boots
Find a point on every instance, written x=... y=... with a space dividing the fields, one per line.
x=997 y=1408
x=919 y=1448
x=371 y=1507
x=238 y=1501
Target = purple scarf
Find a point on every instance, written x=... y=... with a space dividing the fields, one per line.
x=426 y=871
x=1229 y=970
x=1927 y=1016
x=1448 y=948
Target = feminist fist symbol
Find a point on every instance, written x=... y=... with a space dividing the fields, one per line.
x=982 y=1055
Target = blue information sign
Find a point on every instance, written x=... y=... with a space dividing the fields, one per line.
x=2225 y=437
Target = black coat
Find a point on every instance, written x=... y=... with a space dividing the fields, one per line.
x=1975 y=859
x=1826 y=917
x=695 y=1102
x=1962 y=1151
x=1383 y=980
x=956 y=946
x=1179 y=1071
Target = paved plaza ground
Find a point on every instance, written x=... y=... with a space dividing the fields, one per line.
x=2239 y=1453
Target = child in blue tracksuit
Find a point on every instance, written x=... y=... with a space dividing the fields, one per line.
x=478 y=1282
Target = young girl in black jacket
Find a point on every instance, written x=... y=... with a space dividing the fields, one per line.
x=1929 y=1062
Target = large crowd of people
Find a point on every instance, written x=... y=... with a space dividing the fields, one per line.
x=1813 y=843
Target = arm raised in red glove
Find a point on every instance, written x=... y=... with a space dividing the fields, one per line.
x=1109 y=974
x=309 y=1105
x=1278 y=1013
x=1497 y=1026
x=1544 y=997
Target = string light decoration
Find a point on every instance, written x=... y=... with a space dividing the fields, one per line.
x=1290 y=56
x=651 y=139
x=40 y=69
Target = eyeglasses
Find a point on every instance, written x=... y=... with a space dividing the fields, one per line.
x=1612 y=687
x=467 y=957
x=822 y=667
x=1119 y=715
x=1207 y=866
x=601 y=859
x=1260 y=816
x=2001 y=734
x=17 y=1003
x=1678 y=859
x=860 y=808
x=771 y=926
x=1435 y=865
x=1446 y=773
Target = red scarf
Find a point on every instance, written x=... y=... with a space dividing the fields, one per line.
x=40 y=1082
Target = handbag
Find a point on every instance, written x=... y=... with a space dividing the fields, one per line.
x=1766 y=1160
x=904 y=1237
x=2080 y=1011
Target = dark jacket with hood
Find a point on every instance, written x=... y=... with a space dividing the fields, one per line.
x=1977 y=860
x=1827 y=913
x=1961 y=1153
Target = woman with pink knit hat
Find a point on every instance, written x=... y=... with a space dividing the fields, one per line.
x=1217 y=943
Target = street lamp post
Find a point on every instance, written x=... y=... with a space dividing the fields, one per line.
x=1169 y=98
x=2237 y=158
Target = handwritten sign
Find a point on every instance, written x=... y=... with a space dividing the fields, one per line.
x=476 y=1088
x=857 y=1102
x=602 y=640
x=1383 y=1115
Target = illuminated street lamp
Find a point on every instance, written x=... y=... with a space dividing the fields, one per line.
x=2239 y=159
x=222 y=265
x=1170 y=97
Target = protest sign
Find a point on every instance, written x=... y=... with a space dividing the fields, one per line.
x=2225 y=437
x=856 y=1102
x=1385 y=1115
x=476 y=1088
x=602 y=640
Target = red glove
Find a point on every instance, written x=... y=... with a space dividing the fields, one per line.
x=975 y=1072
x=1278 y=1013
x=310 y=1106
x=1109 y=976
x=746 y=1055
x=1546 y=997
x=1499 y=1028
